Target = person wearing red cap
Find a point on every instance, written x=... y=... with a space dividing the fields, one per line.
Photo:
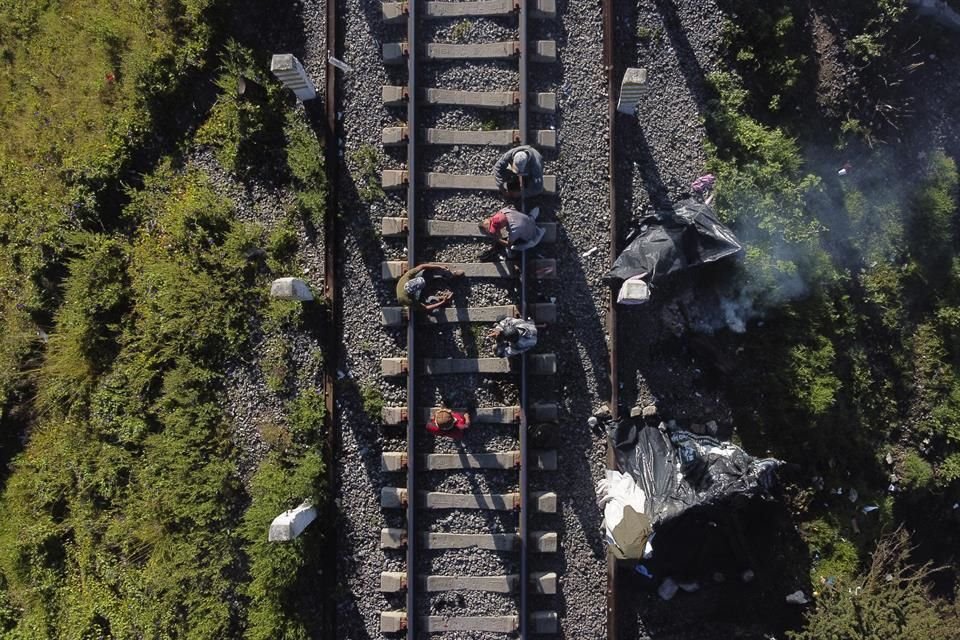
x=512 y=229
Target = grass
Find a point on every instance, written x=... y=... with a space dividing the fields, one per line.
x=367 y=160
x=461 y=31
x=124 y=516
x=80 y=91
x=372 y=402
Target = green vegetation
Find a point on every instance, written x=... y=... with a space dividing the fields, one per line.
x=82 y=86
x=461 y=31
x=372 y=402
x=124 y=516
x=891 y=599
x=306 y=165
x=367 y=162
x=124 y=497
x=853 y=374
x=285 y=578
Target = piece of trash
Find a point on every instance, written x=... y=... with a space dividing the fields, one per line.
x=689 y=587
x=703 y=184
x=589 y=252
x=668 y=588
x=852 y=495
x=543 y=271
x=797 y=597
x=872 y=507
x=339 y=64
x=747 y=576
x=592 y=421
x=340 y=375
x=854 y=525
x=642 y=570
x=845 y=169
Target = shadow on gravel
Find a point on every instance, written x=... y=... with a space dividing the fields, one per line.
x=633 y=150
x=733 y=608
x=692 y=71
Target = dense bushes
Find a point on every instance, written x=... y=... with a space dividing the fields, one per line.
x=79 y=87
x=853 y=372
x=891 y=599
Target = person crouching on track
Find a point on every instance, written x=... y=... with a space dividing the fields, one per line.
x=412 y=285
x=519 y=172
x=451 y=424
x=512 y=229
x=514 y=336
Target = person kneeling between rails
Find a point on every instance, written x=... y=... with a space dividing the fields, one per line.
x=512 y=229
x=412 y=285
x=514 y=336
x=448 y=423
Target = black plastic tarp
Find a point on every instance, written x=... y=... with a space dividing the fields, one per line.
x=679 y=470
x=669 y=241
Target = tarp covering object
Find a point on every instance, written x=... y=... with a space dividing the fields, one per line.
x=686 y=236
x=677 y=471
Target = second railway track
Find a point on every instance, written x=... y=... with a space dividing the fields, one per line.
x=510 y=537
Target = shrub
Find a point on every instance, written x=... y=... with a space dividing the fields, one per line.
x=237 y=128
x=372 y=402
x=306 y=163
x=892 y=599
x=915 y=472
x=838 y=558
x=367 y=162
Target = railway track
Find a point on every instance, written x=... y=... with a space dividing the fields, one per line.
x=419 y=228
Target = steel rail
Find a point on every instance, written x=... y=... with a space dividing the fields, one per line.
x=609 y=37
x=411 y=324
x=522 y=528
x=332 y=297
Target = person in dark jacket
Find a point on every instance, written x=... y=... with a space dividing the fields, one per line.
x=519 y=172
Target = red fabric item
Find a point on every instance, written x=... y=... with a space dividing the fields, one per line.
x=497 y=221
x=455 y=432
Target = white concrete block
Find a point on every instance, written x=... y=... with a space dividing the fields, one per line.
x=290 y=524
x=292 y=74
x=632 y=88
x=291 y=289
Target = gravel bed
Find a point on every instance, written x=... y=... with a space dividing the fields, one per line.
x=577 y=339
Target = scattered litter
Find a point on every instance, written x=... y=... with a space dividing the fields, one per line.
x=589 y=252
x=668 y=588
x=872 y=507
x=689 y=587
x=339 y=64
x=340 y=375
x=888 y=458
x=845 y=169
x=852 y=495
x=592 y=421
x=748 y=575
x=642 y=570
x=797 y=597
